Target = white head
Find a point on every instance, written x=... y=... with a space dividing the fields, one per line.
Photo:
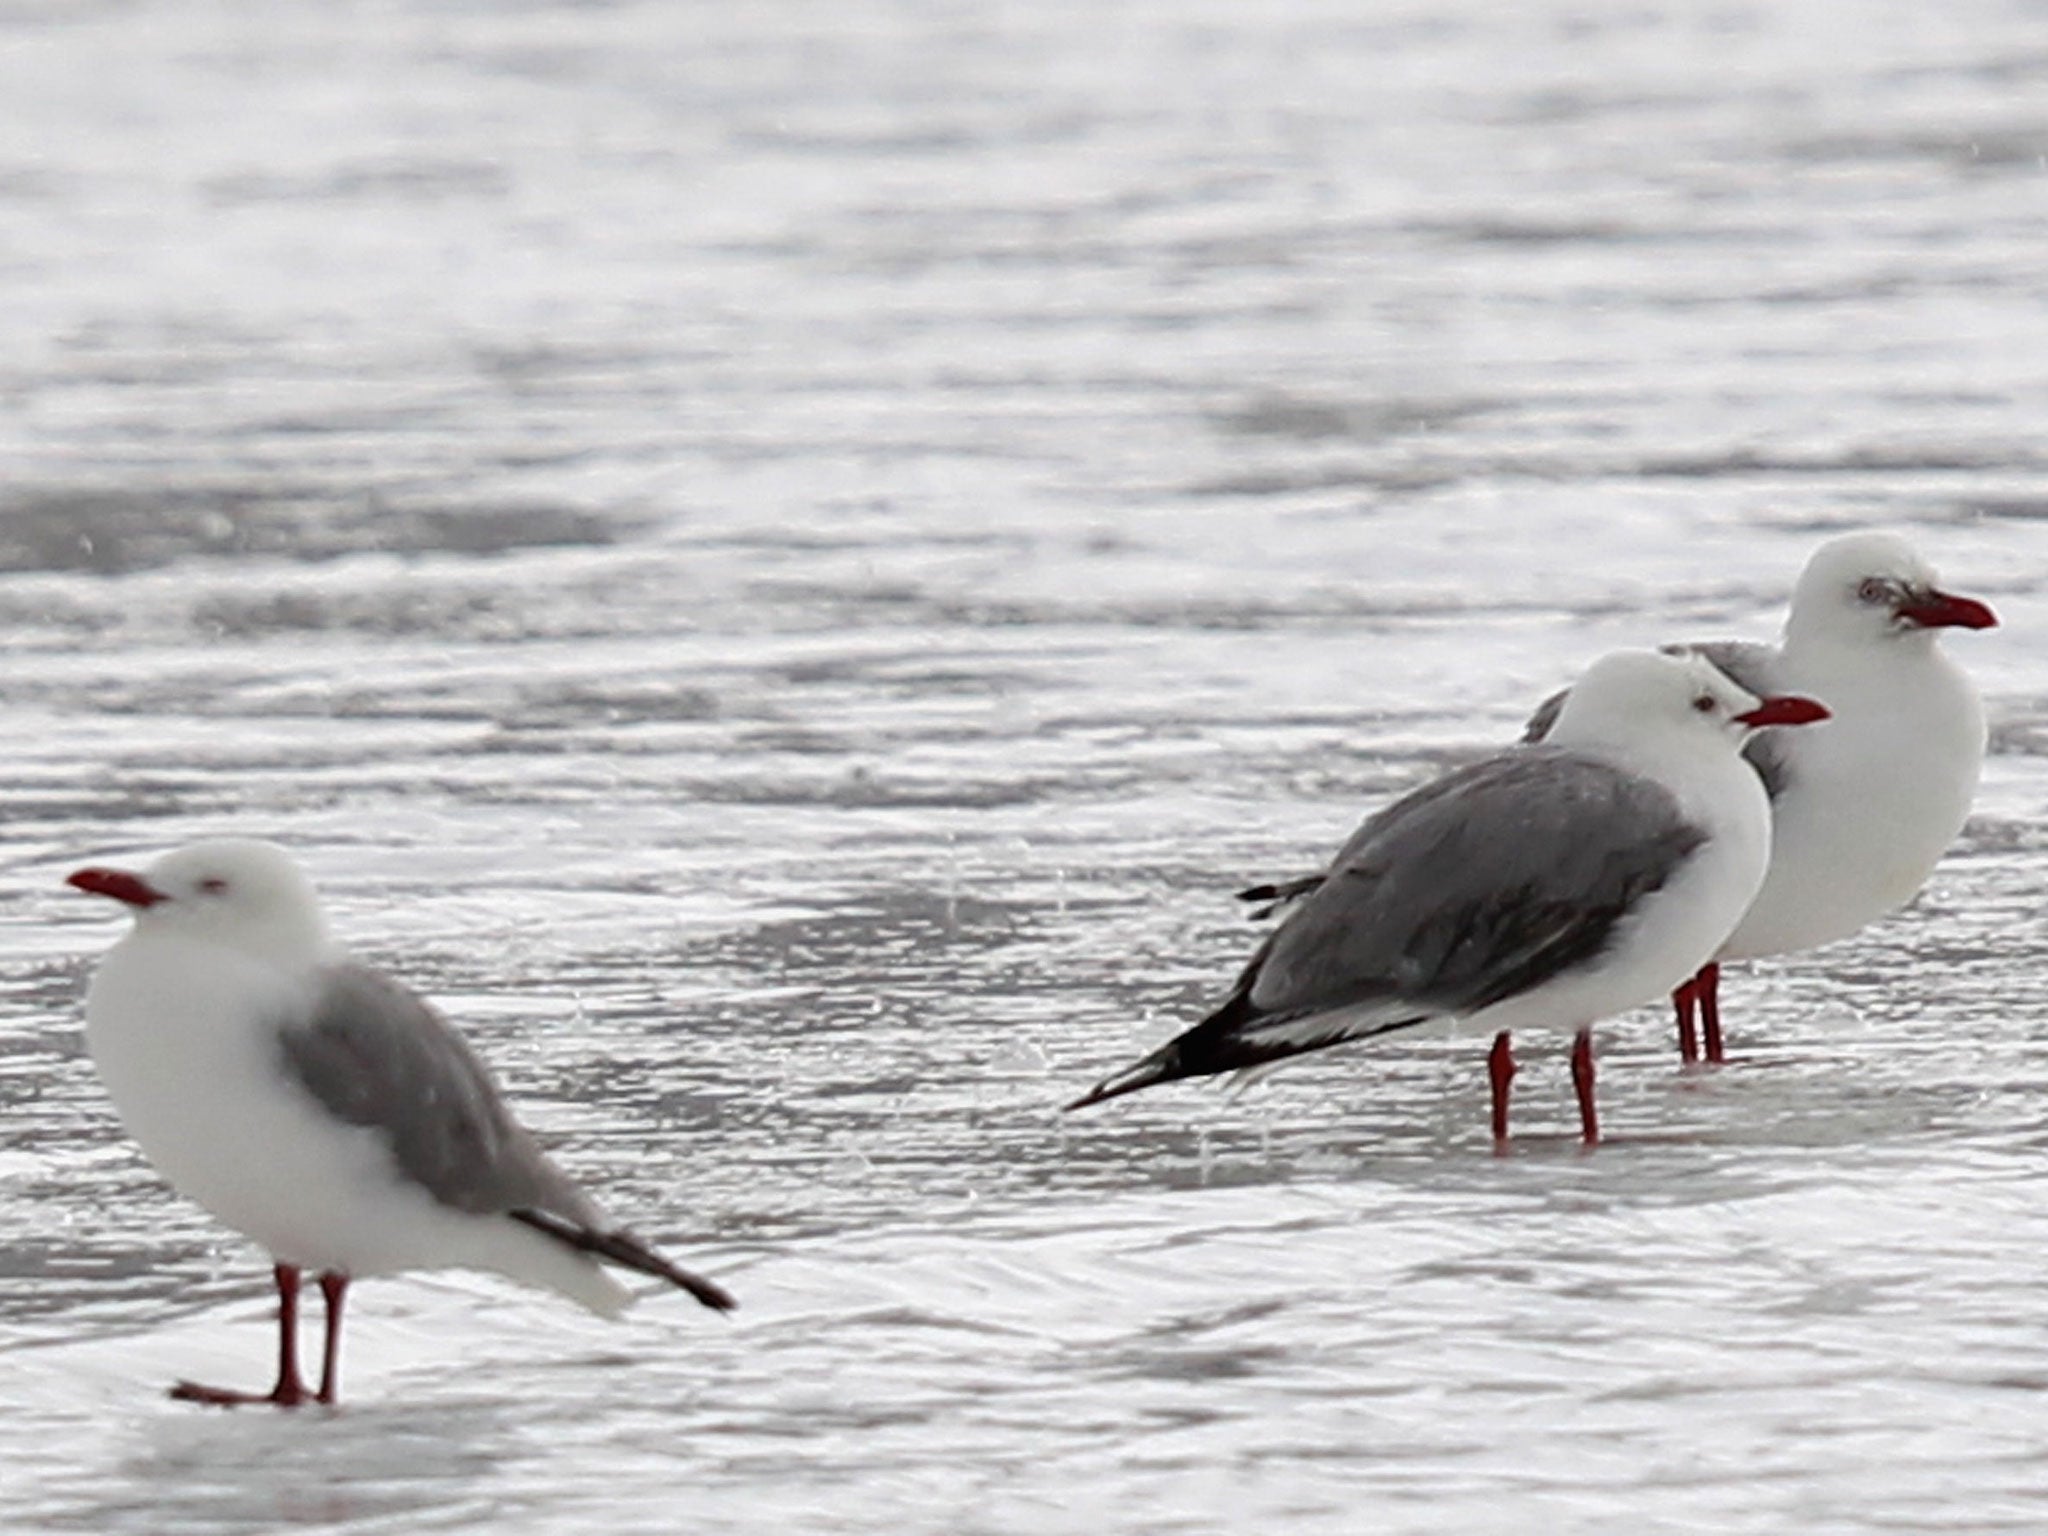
x=1631 y=698
x=236 y=892
x=1872 y=588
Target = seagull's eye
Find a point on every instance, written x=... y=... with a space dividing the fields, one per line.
x=1704 y=703
x=213 y=885
x=1872 y=589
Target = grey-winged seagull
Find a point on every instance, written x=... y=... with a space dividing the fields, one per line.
x=1864 y=807
x=320 y=1107
x=1552 y=885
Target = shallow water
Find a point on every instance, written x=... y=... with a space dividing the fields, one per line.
x=782 y=562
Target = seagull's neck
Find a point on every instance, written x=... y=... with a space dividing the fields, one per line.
x=1819 y=653
x=1704 y=771
x=291 y=951
x=1876 y=689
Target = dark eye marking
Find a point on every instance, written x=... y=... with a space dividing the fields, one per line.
x=1704 y=703
x=213 y=885
x=1873 y=589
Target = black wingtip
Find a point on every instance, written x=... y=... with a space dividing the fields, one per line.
x=1260 y=914
x=628 y=1252
x=1155 y=1068
x=1276 y=894
x=625 y=1249
x=709 y=1292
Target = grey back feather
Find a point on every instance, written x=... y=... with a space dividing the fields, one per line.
x=1747 y=665
x=1474 y=888
x=376 y=1055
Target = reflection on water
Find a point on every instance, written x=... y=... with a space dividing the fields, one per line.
x=784 y=565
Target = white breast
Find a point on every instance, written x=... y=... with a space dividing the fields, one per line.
x=185 y=1037
x=1873 y=798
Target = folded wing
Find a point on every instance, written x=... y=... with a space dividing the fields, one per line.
x=376 y=1055
x=1478 y=887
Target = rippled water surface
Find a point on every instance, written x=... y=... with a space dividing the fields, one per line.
x=783 y=560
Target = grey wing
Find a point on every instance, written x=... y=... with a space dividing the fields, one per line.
x=1482 y=885
x=1477 y=887
x=378 y=1056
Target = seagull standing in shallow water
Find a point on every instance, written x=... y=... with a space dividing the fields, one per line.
x=1552 y=885
x=1863 y=807
x=320 y=1107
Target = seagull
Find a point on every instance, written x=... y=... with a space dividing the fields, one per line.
x=320 y=1107
x=1549 y=885
x=1863 y=808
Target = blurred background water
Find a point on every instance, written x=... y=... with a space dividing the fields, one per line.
x=782 y=560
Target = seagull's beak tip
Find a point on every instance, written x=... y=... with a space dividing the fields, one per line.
x=1786 y=709
x=1945 y=610
x=122 y=886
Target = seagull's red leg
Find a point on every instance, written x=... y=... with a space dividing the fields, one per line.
x=1582 y=1084
x=1685 y=1000
x=334 y=1288
x=289 y=1391
x=1500 y=1071
x=1709 y=984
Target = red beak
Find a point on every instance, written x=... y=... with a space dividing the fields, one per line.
x=1785 y=709
x=1941 y=610
x=119 y=884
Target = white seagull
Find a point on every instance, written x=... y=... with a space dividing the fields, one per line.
x=321 y=1108
x=1864 y=807
x=1552 y=885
